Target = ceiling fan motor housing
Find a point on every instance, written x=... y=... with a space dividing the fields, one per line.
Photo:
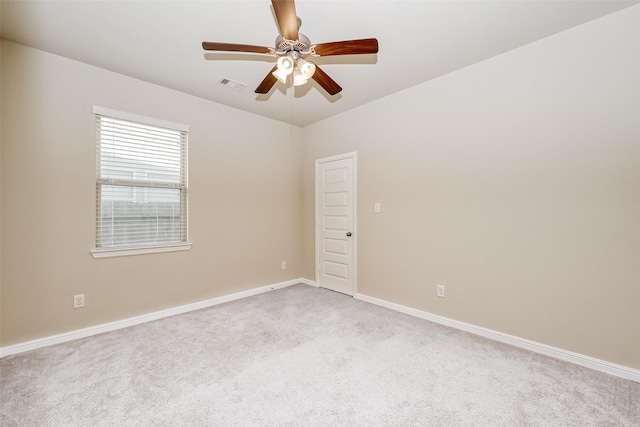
x=301 y=45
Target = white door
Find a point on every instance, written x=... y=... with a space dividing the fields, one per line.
x=335 y=223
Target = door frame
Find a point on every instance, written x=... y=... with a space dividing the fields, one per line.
x=354 y=156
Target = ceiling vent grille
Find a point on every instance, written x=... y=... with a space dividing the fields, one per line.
x=231 y=84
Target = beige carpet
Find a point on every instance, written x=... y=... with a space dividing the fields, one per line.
x=303 y=356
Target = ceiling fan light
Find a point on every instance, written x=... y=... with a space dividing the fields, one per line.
x=298 y=78
x=285 y=64
x=307 y=68
x=281 y=75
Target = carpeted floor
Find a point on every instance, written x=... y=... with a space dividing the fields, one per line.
x=303 y=356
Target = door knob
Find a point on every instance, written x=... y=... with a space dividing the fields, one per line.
x=348 y=234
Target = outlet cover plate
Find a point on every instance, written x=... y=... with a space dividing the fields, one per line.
x=78 y=301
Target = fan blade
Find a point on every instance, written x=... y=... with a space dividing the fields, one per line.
x=268 y=82
x=347 y=47
x=231 y=47
x=326 y=82
x=287 y=19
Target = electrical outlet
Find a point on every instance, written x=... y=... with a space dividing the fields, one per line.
x=440 y=290
x=284 y=265
x=78 y=301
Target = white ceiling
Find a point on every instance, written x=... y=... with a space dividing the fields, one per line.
x=160 y=42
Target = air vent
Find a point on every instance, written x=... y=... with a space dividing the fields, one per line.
x=237 y=86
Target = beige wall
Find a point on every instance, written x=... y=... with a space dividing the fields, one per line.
x=0 y=179
x=515 y=183
x=245 y=200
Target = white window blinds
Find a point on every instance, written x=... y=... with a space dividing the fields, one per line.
x=141 y=185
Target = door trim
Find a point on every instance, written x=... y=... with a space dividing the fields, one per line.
x=354 y=156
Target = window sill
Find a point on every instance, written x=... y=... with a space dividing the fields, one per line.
x=110 y=253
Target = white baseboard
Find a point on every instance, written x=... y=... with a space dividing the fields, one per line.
x=568 y=356
x=132 y=321
x=558 y=353
x=309 y=282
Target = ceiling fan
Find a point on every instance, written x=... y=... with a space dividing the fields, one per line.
x=292 y=48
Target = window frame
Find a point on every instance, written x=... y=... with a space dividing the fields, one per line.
x=140 y=249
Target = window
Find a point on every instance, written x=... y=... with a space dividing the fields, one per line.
x=141 y=184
